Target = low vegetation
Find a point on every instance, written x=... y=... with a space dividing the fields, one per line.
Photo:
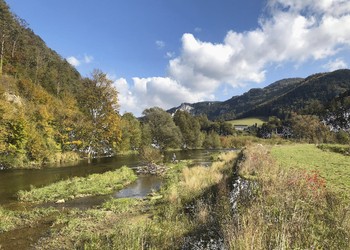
x=337 y=148
x=14 y=219
x=163 y=221
x=95 y=184
x=333 y=167
x=290 y=200
x=291 y=206
x=250 y=121
x=247 y=140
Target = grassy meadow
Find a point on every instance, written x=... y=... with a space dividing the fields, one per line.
x=249 y=121
x=333 y=167
x=297 y=200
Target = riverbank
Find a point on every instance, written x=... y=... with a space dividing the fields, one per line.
x=256 y=199
x=162 y=221
x=16 y=219
x=22 y=162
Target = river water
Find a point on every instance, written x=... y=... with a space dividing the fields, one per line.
x=11 y=180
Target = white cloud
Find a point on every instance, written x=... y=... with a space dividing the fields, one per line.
x=338 y=63
x=127 y=101
x=293 y=32
x=88 y=59
x=170 y=54
x=287 y=36
x=154 y=91
x=73 y=61
x=321 y=7
x=160 y=44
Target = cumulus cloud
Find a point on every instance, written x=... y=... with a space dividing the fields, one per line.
x=154 y=91
x=296 y=31
x=338 y=63
x=126 y=98
x=292 y=31
x=321 y=7
x=160 y=44
x=73 y=61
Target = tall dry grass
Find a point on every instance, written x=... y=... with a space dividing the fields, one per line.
x=193 y=181
x=292 y=209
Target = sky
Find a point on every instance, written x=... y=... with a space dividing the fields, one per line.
x=166 y=52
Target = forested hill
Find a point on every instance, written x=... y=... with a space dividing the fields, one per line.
x=310 y=96
x=307 y=96
x=25 y=55
x=238 y=105
x=48 y=112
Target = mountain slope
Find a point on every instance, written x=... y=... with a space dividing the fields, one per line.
x=238 y=105
x=26 y=56
x=41 y=120
x=318 y=89
x=279 y=99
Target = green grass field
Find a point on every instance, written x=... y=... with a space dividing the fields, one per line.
x=333 y=167
x=294 y=206
x=249 y=121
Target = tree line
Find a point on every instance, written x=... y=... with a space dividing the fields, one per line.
x=38 y=127
x=49 y=113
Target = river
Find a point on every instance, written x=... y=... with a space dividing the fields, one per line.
x=12 y=180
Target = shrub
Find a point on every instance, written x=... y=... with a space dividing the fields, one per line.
x=149 y=154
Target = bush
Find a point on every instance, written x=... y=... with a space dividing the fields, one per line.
x=343 y=137
x=341 y=149
x=212 y=140
x=149 y=154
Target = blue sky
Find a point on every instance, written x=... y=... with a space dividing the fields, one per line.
x=165 y=52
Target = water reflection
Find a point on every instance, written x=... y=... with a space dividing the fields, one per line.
x=140 y=188
x=11 y=181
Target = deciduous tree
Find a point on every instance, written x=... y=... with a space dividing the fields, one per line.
x=99 y=102
x=131 y=133
x=190 y=129
x=163 y=132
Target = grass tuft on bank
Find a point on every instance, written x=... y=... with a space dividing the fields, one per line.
x=95 y=184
